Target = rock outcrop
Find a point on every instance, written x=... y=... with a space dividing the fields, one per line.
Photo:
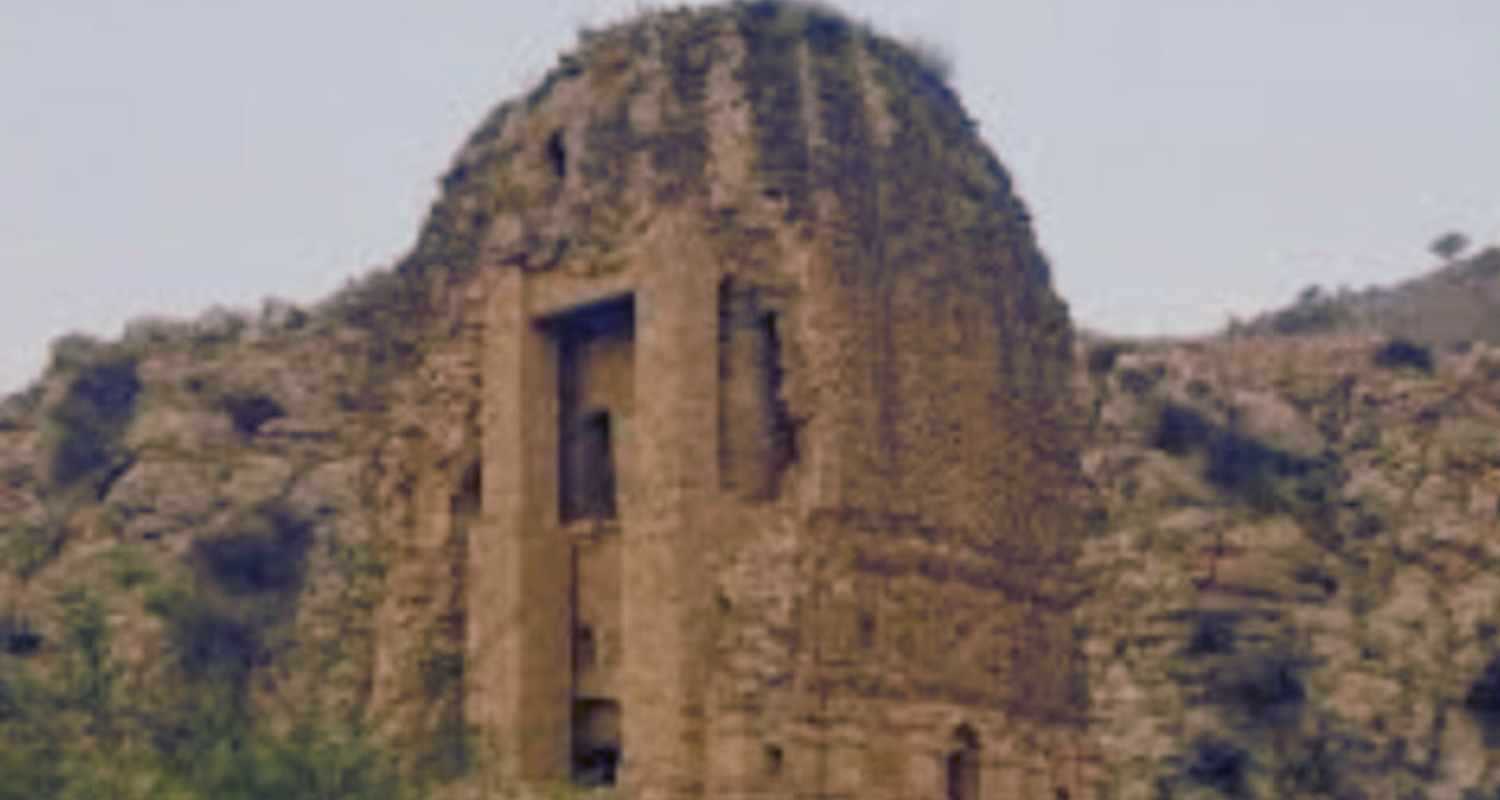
x=1294 y=568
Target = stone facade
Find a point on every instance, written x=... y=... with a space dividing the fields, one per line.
x=776 y=484
x=716 y=438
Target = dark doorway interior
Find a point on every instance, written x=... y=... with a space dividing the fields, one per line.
x=595 y=386
x=596 y=742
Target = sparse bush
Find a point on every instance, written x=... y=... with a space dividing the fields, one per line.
x=72 y=351
x=1268 y=479
x=250 y=410
x=1449 y=245
x=279 y=314
x=17 y=636
x=1181 y=430
x=265 y=553
x=208 y=638
x=190 y=751
x=1316 y=315
x=129 y=568
x=1404 y=354
x=1213 y=634
x=1250 y=468
x=311 y=763
x=1486 y=265
x=29 y=769
x=379 y=295
x=72 y=734
x=152 y=331
x=28 y=547
x=1314 y=575
x=1219 y=765
x=15 y=408
x=1102 y=358
x=219 y=325
x=90 y=673
x=1139 y=381
x=1315 y=767
x=249 y=579
x=449 y=752
x=86 y=425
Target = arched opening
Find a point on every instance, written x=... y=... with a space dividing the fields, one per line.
x=962 y=765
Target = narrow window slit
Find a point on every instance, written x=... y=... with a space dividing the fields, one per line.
x=557 y=154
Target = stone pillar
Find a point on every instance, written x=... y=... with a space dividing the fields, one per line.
x=671 y=476
x=518 y=579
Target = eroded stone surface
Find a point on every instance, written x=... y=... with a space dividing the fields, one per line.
x=847 y=540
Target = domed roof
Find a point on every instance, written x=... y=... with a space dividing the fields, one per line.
x=764 y=121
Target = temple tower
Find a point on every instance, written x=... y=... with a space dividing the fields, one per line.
x=775 y=482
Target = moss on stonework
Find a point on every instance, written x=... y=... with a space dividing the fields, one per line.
x=680 y=150
x=609 y=143
x=773 y=89
x=843 y=161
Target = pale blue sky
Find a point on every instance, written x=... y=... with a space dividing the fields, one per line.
x=1184 y=159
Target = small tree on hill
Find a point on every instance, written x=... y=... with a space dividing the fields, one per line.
x=1449 y=245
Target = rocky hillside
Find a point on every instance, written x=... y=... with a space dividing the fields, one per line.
x=1293 y=564
x=190 y=569
x=1295 y=568
x=1458 y=302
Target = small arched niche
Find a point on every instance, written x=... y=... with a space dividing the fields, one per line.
x=465 y=501
x=961 y=765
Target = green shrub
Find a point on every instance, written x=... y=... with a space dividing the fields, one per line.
x=16 y=408
x=212 y=642
x=1213 y=634
x=90 y=673
x=1404 y=354
x=29 y=770
x=129 y=568
x=247 y=584
x=1218 y=764
x=27 y=547
x=17 y=636
x=72 y=735
x=266 y=553
x=310 y=763
x=87 y=424
x=1102 y=357
x=1140 y=381
x=1268 y=479
x=250 y=410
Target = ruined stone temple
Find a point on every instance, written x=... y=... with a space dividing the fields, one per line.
x=747 y=395
x=717 y=439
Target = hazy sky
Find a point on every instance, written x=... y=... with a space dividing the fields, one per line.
x=1183 y=159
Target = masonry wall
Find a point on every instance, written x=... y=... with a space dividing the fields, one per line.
x=836 y=556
